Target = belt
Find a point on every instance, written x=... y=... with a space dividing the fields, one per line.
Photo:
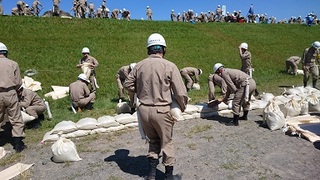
x=7 y=89
x=152 y=105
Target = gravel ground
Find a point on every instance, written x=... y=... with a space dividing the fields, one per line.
x=205 y=149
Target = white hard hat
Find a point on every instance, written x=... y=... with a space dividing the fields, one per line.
x=316 y=44
x=124 y=9
x=217 y=66
x=147 y=6
x=85 y=50
x=200 y=71
x=3 y=47
x=132 y=65
x=83 y=77
x=243 y=45
x=27 y=5
x=156 y=39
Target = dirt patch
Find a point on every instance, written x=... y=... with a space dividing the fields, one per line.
x=205 y=149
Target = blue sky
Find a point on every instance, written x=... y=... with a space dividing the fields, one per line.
x=162 y=8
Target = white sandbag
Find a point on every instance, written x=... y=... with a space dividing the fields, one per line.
x=270 y=107
x=2 y=152
x=131 y=125
x=223 y=106
x=125 y=118
x=224 y=112
x=190 y=109
x=77 y=133
x=26 y=117
x=292 y=108
x=204 y=108
x=273 y=116
x=175 y=110
x=266 y=96
x=64 y=127
x=123 y=107
x=86 y=69
x=107 y=121
x=117 y=128
x=300 y=71
x=187 y=116
x=196 y=86
x=64 y=150
x=87 y=123
x=314 y=105
x=304 y=107
x=196 y=115
x=49 y=137
x=99 y=130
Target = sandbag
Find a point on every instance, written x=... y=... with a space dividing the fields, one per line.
x=107 y=121
x=273 y=116
x=26 y=117
x=314 y=105
x=125 y=118
x=190 y=109
x=292 y=108
x=64 y=127
x=196 y=86
x=175 y=110
x=123 y=107
x=64 y=150
x=49 y=137
x=87 y=123
x=77 y=133
x=304 y=107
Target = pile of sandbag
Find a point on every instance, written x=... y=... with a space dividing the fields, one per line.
x=86 y=126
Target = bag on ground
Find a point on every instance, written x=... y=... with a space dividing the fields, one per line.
x=64 y=150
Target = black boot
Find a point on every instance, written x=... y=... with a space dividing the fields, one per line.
x=256 y=93
x=314 y=84
x=304 y=84
x=18 y=144
x=169 y=174
x=89 y=106
x=153 y=163
x=245 y=115
x=234 y=122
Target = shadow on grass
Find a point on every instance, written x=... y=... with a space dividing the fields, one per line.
x=132 y=165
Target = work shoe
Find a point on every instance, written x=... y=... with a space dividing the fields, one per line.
x=234 y=122
x=174 y=177
x=18 y=144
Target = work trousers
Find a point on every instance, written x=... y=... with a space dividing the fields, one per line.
x=239 y=97
x=9 y=104
x=84 y=101
x=157 y=123
x=35 y=110
x=310 y=68
x=187 y=78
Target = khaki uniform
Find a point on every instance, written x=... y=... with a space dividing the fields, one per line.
x=114 y=14
x=1 y=10
x=187 y=73
x=32 y=103
x=149 y=14
x=292 y=62
x=155 y=79
x=121 y=76
x=216 y=80
x=35 y=7
x=80 y=94
x=246 y=61
x=91 y=10
x=95 y=63
x=236 y=82
x=173 y=15
x=126 y=15
x=10 y=81
x=309 y=58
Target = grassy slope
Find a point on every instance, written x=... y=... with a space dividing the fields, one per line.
x=53 y=46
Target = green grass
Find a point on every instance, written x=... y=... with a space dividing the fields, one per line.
x=52 y=46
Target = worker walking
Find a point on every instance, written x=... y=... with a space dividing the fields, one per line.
x=156 y=80
x=309 y=57
x=10 y=81
x=242 y=85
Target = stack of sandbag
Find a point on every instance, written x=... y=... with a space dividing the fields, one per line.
x=86 y=126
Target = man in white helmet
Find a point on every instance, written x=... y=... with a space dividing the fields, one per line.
x=149 y=13
x=81 y=97
x=10 y=82
x=188 y=73
x=121 y=76
x=156 y=81
x=245 y=56
x=242 y=85
x=309 y=57
x=35 y=7
x=92 y=63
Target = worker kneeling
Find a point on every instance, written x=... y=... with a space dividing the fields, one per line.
x=32 y=104
x=81 y=97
